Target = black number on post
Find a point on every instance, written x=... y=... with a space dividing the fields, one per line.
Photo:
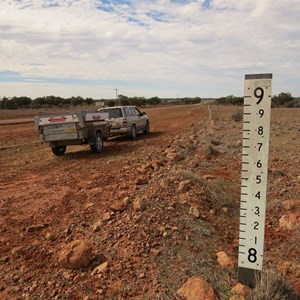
x=259 y=147
x=256 y=211
x=252 y=255
x=260 y=130
x=258 y=179
x=257 y=195
x=261 y=112
x=259 y=164
x=256 y=225
x=259 y=95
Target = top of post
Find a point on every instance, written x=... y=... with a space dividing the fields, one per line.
x=259 y=76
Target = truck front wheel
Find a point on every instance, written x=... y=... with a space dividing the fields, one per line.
x=98 y=143
x=59 y=150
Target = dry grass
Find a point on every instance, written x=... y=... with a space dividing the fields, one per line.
x=237 y=116
x=271 y=286
x=221 y=194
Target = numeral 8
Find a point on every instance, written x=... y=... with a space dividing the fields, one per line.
x=252 y=255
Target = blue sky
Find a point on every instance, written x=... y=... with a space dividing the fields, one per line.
x=165 y=48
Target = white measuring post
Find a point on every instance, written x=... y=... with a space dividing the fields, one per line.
x=256 y=132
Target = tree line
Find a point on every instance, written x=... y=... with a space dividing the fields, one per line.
x=43 y=102
x=54 y=101
x=283 y=99
x=142 y=101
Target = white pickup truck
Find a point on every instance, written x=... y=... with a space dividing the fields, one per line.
x=61 y=130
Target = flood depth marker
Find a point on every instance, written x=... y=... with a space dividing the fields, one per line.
x=256 y=133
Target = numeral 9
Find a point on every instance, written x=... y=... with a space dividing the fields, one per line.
x=261 y=112
x=259 y=95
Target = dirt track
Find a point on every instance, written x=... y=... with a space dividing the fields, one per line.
x=47 y=202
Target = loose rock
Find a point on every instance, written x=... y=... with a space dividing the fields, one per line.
x=193 y=163
x=157 y=162
x=289 y=269
x=224 y=260
x=184 y=186
x=194 y=211
x=118 y=206
x=291 y=204
x=237 y=297
x=32 y=228
x=141 y=181
x=4 y=259
x=68 y=230
x=106 y=216
x=50 y=236
x=196 y=288
x=17 y=251
x=97 y=226
x=216 y=142
x=155 y=252
x=88 y=205
x=239 y=291
x=208 y=177
x=175 y=156
x=139 y=205
x=290 y=220
x=76 y=255
x=100 y=269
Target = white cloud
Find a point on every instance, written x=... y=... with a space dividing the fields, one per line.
x=171 y=47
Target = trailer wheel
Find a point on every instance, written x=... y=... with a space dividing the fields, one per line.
x=59 y=150
x=98 y=143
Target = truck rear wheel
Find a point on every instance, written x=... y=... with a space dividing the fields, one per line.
x=133 y=132
x=147 y=127
x=59 y=150
x=98 y=143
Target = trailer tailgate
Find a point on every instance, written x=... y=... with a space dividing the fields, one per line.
x=57 y=132
x=57 y=128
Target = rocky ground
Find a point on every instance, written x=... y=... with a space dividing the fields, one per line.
x=145 y=219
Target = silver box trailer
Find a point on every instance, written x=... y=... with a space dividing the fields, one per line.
x=73 y=128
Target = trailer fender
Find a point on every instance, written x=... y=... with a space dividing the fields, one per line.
x=91 y=136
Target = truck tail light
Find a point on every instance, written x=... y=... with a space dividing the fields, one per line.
x=41 y=129
x=125 y=122
x=78 y=127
